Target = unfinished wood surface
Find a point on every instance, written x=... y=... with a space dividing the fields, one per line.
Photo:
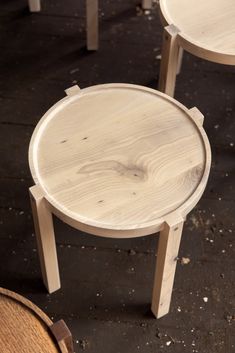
x=34 y=5
x=24 y=327
x=167 y=253
x=105 y=329
x=92 y=24
x=111 y=159
x=170 y=60
x=44 y=230
x=207 y=28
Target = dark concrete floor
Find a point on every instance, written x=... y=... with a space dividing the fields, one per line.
x=106 y=288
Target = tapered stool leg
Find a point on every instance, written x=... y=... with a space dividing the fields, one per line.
x=92 y=24
x=167 y=254
x=180 y=60
x=169 y=61
x=147 y=4
x=34 y=5
x=44 y=231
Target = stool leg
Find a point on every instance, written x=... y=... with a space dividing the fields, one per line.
x=44 y=231
x=147 y=4
x=180 y=59
x=169 y=61
x=167 y=253
x=92 y=24
x=34 y=5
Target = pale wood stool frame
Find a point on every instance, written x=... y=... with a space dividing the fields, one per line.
x=92 y=20
x=170 y=227
x=174 y=43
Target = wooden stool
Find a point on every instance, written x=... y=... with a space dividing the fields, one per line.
x=203 y=28
x=24 y=328
x=119 y=161
x=91 y=20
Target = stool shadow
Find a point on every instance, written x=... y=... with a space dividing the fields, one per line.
x=23 y=286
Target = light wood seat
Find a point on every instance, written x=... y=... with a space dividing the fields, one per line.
x=118 y=160
x=91 y=21
x=24 y=328
x=204 y=28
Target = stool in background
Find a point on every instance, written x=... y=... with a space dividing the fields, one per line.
x=203 y=28
x=26 y=328
x=118 y=161
x=91 y=20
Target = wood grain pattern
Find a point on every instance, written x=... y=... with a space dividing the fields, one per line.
x=207 y=28
x=24 y=327
x=111 y=159
x=119 y=160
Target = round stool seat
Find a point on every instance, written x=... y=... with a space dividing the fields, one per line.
x=119 y=157
x=24 y=328
x=206 y=27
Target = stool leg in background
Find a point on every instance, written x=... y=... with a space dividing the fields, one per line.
x=167 y=253
x=180 y=60
x=92 y=24
x=169 y=61
x=44 y=231
x=147 y=4
x=34 y=5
